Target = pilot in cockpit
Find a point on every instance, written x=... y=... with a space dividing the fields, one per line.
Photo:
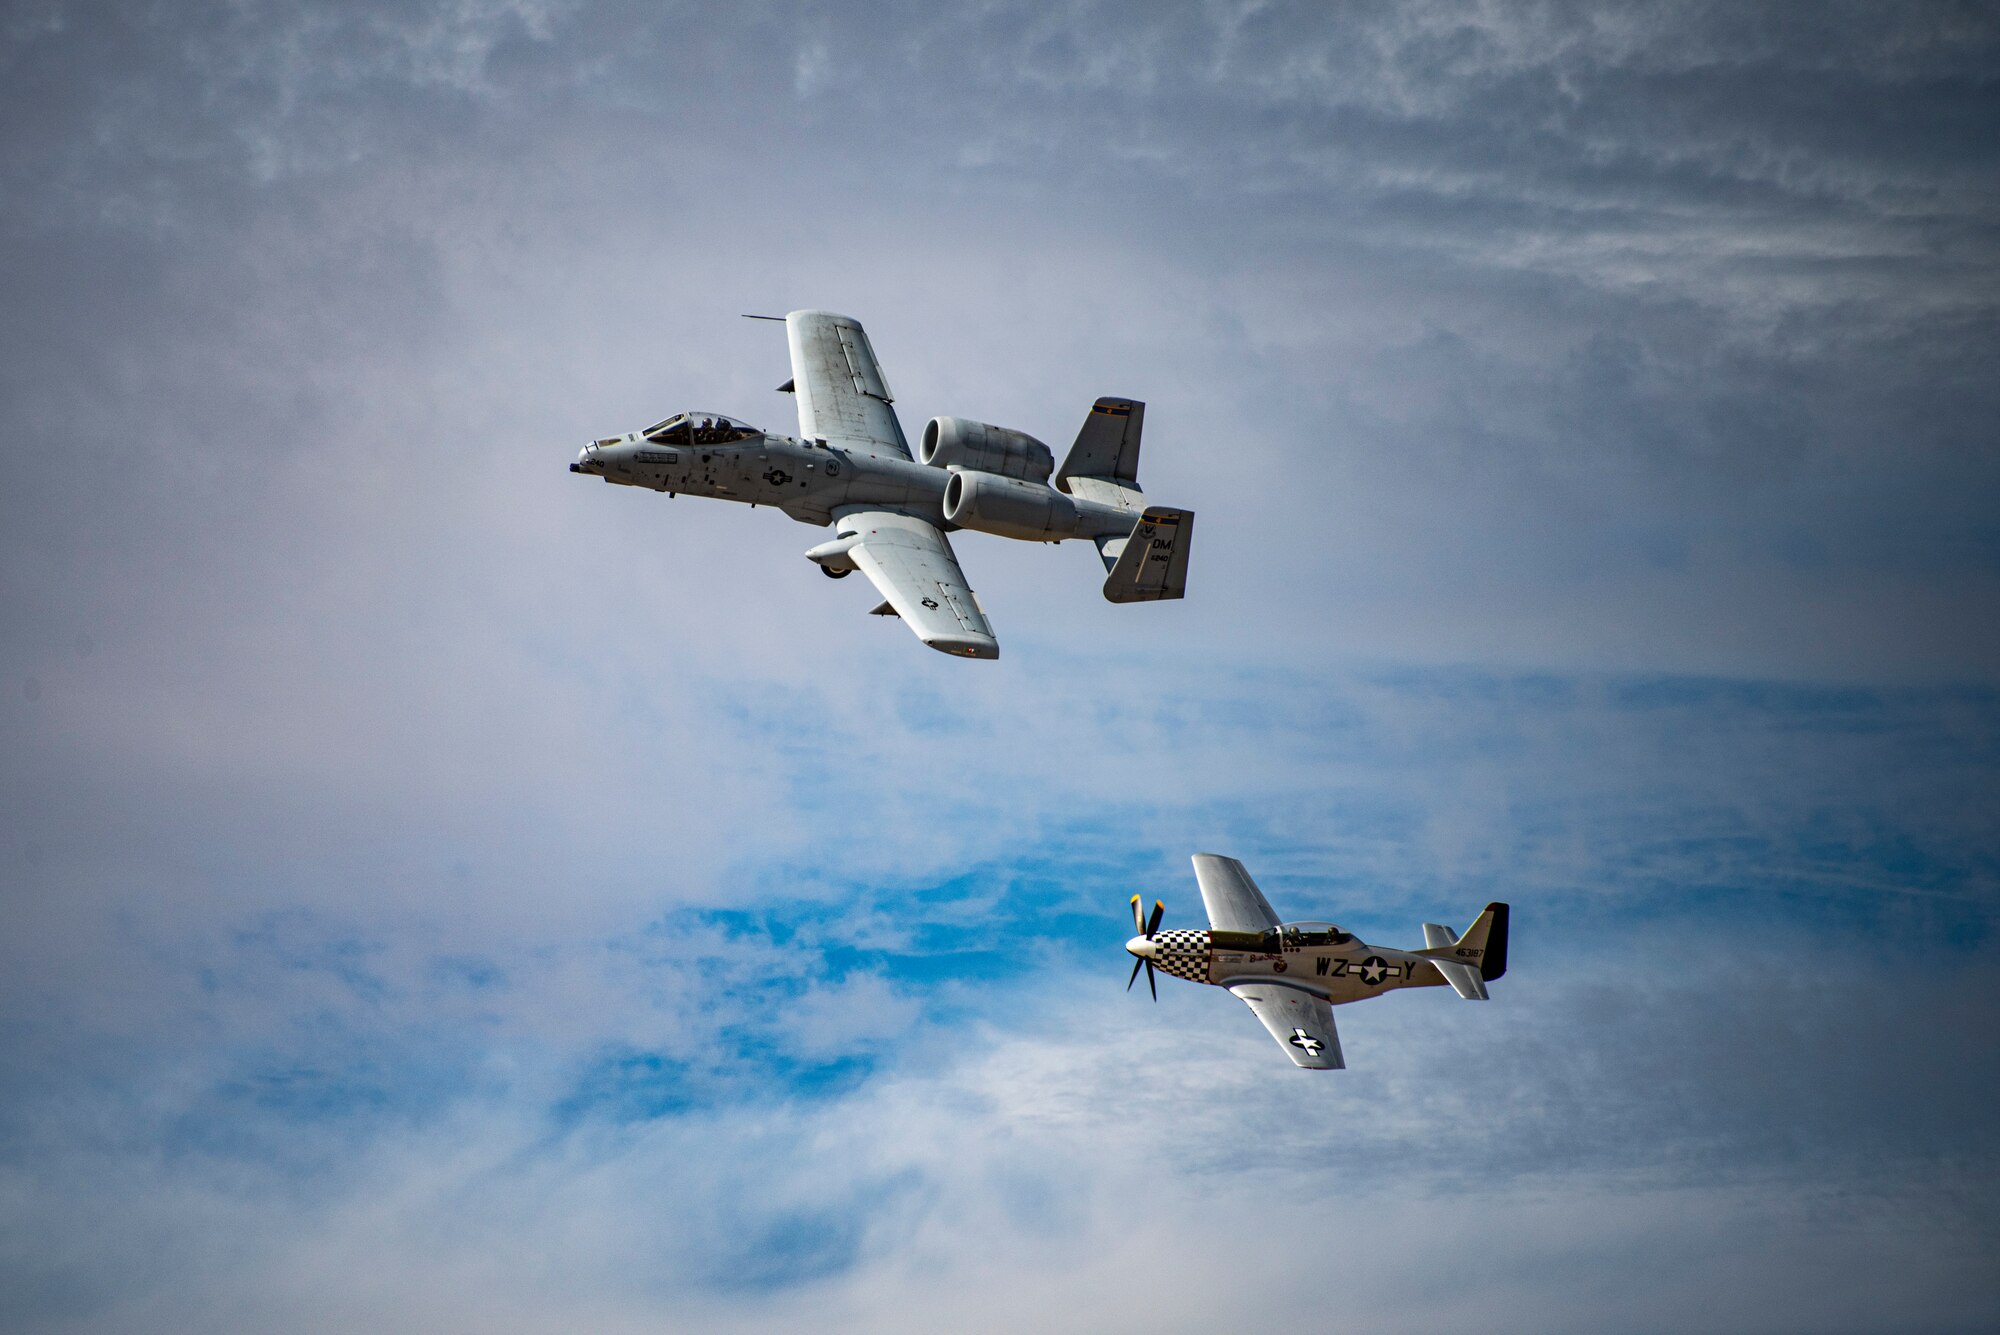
x=699 y=429
x=1307 y=935
x=673 y=431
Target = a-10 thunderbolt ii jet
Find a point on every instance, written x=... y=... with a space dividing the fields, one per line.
x=851 y=467
x=1293 y=974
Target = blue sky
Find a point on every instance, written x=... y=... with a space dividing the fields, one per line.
x=439 y=892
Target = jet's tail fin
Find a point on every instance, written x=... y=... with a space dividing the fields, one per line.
x=1151 y=563
x=1103 y=464
x=1470 y=961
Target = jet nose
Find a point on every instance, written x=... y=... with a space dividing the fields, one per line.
x=1141 y=946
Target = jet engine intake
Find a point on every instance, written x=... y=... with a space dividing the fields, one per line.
x=954 y=442
x=1009 y=507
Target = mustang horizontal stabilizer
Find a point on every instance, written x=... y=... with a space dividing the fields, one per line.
x=1464 y=979
x=1439 y=941
x=1153 y=563
x=1301 y=1022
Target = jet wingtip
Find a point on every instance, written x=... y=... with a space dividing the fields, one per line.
x=964 y=646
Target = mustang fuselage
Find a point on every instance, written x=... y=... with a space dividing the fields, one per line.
x=1315 y=957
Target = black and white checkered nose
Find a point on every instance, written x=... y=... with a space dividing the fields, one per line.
x=1182 y=953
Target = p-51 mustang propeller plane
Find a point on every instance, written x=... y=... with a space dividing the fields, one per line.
x=1293 y=974
x=851 y=467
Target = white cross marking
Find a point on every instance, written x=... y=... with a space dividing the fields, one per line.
x=1306 y=1042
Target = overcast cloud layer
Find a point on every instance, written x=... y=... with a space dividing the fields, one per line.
x=437 y=891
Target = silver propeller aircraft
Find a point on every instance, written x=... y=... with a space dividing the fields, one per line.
x=1293 y=974
x=851 y=467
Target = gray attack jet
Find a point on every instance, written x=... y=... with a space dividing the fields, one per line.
x=850 y=467
x=1293 y=974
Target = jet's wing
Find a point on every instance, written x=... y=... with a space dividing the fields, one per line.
x=1301 y=1022
x=1233 y=901
x=908 y=560
x=842 y=396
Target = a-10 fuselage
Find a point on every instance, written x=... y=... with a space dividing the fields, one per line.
x=1337 y=965
x=812 y=480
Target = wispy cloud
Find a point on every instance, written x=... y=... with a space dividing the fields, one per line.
x=1729 y=970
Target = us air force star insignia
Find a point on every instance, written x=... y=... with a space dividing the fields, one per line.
x=777 y=477
x=1373 y=970
x=931 y=603
x=1305 y=1042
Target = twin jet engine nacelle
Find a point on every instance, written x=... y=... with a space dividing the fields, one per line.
x=954 y=442
x=1009 y=507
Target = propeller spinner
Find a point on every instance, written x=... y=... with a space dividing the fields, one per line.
x=1142 y=944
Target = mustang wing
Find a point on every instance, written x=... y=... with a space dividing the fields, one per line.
x=1233 y=901
x=1301 y=1022
x=908 y=560
x=842 y=396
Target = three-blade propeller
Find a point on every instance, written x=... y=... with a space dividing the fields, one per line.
x=1146 y=928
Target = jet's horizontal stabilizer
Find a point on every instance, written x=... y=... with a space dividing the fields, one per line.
x=1152 y=563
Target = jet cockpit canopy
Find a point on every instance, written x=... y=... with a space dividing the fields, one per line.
x=699 y=429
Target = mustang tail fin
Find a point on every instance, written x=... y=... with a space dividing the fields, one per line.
x=1488 y=934
x=1470 y=961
